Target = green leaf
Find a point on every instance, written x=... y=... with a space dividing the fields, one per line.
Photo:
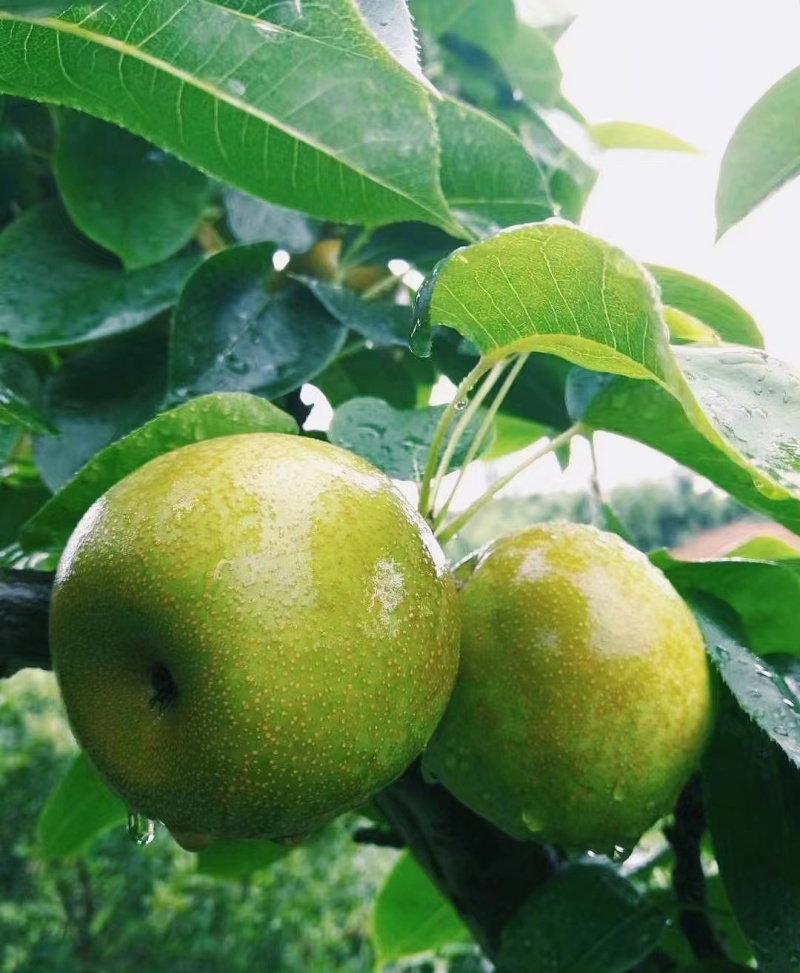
x=708 y=303
x=488 y=178
x=752 y=797
x=19 y=389
x=741 y=430
x=396 y=442
x=233 y=331
x=80 y=809
x=586 y=920
x=237 y=860
x=58 y=288
x=298 y=104
x=763 y=153
x=223 y=414
x=375 y=373
x=765 y=549
x=531 y=66
x=252 y=220
x=9 y=436
x=633 y=135
x=488 y=26
x=382 y=323
x=761 y=692
x=512 y=434
x=391 y=23
x=411 y=918
x=763 y=595
x=98 y=395
x=552 y=288
x=124 y=193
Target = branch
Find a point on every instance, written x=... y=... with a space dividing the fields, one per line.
x=484 y=874
x=688 y=880
x=24 y=610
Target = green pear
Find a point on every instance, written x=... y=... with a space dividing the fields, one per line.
x=583 y=700
x=253 y=634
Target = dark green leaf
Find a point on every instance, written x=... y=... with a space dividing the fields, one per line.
x=587 y=920
x=17 y=504
x=81 y=808
x=395 y=442
x=752 y=796
x=58 y=288
x=224 y=414
x=300 y=105
x=98 y=395
x=763 y=153
x=634 y=135
x=717 y=966
x=19 y=392
x=551 y=288
x=708 y=303
x=377 y=373
x=234 y=332
x=237 y=860
x=411 y=918
x=488 y=178
x=759 y=689
x=139 y=202
x=488 y=26
x=252 y=220
x=383 y=323
x=8 y=440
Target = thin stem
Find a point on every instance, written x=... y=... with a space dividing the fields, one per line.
x=462 y=425
x=465 y=386
x=481 y=434
x=457 y=523
x=380 y=287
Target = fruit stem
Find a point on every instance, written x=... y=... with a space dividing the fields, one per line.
x=455 y=525
x=481 y=434
x=454 y=407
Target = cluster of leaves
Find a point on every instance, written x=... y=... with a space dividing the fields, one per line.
x=282 y=175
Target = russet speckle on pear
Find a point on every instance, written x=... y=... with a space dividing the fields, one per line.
x=253 y=634
x=583 y=698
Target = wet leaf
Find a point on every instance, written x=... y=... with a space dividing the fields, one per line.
x=763 y=153
x=411 y=918
x=80 y=809
x=396 y=442
x=221 y=89
x=252 y=220
x=19 y=392
x=223 y=414
x=383 y=323
x=586 y=920
x=124 y=193
x=752 y=797
x=234 y=332
x=58 y=288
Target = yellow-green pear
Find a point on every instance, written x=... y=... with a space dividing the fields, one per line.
x=583 y=700
x=253 y=634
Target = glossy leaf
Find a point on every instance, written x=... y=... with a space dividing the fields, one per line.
x=763 y=153
x=763 y=595
x=411 y=918
x=586 y=920
x=634 y=135
x=252 y=220
x=552 y=288
x=371 y=373
x=396 y=442
x=237 y=860
x=235 y=332
x=81 y=808
x=741 y=431
x=98 y=395
x=268 y=98
x=19 y=389
x=752 y=798
x=708 y=303
x=484 y=192
x=758 y=688
x=223 y=414
x=382 y=323
x=58 y=288
x=124 y=193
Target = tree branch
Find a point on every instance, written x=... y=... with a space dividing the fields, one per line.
x=24 y=611
x=484 y=874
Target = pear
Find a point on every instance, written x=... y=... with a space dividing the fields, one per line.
x=583 y=701
x=253 y=634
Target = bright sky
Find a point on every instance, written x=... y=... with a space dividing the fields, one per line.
x=693 y=68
